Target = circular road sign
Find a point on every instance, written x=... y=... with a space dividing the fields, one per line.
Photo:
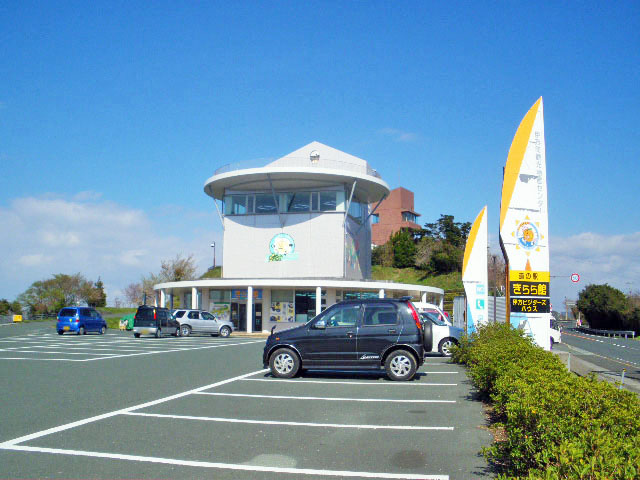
x=575 y=278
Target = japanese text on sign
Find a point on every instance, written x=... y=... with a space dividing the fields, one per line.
x=530 y=305
x=529 y=289
x=528 y=276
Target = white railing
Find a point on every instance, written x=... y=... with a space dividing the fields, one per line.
x=299 y=162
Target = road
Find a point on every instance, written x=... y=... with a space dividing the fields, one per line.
x=608 y=356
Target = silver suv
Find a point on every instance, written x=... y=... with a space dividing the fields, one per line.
x=201 y=321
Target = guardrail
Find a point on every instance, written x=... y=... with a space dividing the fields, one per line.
x=6 y=318
x=608 y=333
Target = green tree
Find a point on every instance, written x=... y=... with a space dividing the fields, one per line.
x=49 y=296
x=94 y=294
x=16 y=307
x=404 y=249
x=448 y=230
x=604 y=306
x=4 y=306
x=382 y=255
x=178 y=269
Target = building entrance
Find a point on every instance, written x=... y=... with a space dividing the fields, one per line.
x=239 y=316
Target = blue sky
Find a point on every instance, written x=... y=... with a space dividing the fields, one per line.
x=113 y=114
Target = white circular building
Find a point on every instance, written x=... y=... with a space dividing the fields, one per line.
x=297 y=238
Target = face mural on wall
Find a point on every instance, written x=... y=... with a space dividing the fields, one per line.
x=282 y=247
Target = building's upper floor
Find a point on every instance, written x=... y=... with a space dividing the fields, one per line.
x=394 y=212
x=314 y=178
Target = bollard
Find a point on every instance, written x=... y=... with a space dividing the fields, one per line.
x=569 y=362
x=622 y=381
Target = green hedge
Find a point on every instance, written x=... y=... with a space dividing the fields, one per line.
x=557 y=425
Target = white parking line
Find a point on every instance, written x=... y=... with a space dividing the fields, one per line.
x=333 y=399
x=229 y=466
x=85 y=421
x=15 y=446
x=385 y=384
x=123 y=355
x=295 y=424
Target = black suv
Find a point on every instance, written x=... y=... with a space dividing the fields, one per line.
x=354 y=334
x=154 y=321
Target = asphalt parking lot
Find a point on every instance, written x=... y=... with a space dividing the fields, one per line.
x=111 y=406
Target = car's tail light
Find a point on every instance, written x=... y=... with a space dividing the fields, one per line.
x=414 y=314
x=155 y=316
x=77 y=317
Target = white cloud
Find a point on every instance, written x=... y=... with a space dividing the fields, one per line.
x=598 y=259
x=34 y=260
x=398 y=135
x=50 y=234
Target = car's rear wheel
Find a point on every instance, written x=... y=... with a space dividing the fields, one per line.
x=82 y=331
x=225 y=332
x=177 y=334
x=400 y=365
x=137 y=335
x=60 y=332
x=284 y=363
x=158 y=333
x=185 y=330
x=103 y=330
x=444 y=347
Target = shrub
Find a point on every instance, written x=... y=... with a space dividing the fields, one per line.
x=557 y=425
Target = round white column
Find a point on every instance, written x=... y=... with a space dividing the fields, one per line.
x=194 y=298
x=249 y=309
x=318 y=300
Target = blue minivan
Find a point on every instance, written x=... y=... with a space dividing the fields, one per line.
x=80 y=320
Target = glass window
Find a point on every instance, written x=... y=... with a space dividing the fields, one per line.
x=314 y=201
x=298 y=202
x=193 y=315
x=265 y=203
x=282 y=295
x=219 y=296
x=380 y=314
x=235 y=205
x=375 y=218
x=408 y=217
x=328 y=201
x=207 y=316
x=357 y=210
x=249 y=203
x=179 y=314
x=305 y=306
x=342 y=316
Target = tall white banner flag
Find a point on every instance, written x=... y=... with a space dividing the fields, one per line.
x=474 y=272
x=524 y=228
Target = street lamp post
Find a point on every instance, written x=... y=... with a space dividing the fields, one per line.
x=213 y=245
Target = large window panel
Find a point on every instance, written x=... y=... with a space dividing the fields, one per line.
x=328 y=201
x=235 y=205
x=299 y=202
x=265 y=203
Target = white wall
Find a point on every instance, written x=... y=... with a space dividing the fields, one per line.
x=318 y=238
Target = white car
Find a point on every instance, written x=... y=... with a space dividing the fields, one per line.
x=439 y=336
x=424 y=307
x=555 y=331
x=201 y=321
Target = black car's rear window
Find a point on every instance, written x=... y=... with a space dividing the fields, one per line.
x=145 y=314
x=67 y=312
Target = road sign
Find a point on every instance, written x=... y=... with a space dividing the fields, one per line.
x=575 y=278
